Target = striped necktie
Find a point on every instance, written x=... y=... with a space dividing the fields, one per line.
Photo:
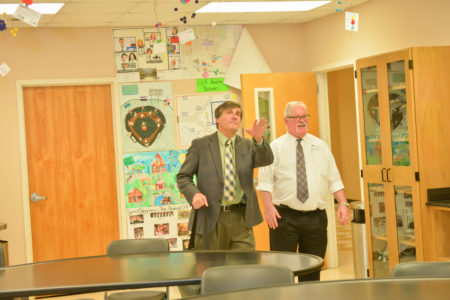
x=302 y=183
x=229 y=183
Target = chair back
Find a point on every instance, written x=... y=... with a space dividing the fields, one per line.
x=439 y=269
x=140 y=246
x=238 y=277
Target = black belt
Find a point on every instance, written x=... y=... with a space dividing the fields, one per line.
x=232 y=206
x=302 y=212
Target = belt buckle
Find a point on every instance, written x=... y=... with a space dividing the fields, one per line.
x=226 y=208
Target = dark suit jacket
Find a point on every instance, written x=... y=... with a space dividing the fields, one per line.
x=203 y=159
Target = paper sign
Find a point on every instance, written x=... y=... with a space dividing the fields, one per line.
x=211 y=85
x=186 y=36
x=159 y=47
x=351 y=21
x=128 y=77
x=4 y=69
x=27 y=15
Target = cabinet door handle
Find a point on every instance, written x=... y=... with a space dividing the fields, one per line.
x=387 y=174
x=382 y=175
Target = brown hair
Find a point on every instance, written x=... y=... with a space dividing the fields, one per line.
x=226 y=105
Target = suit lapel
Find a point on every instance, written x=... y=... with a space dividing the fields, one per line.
x=215 y=153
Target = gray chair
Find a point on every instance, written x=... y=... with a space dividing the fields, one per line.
x=422 y=269
x=142 y=246
x=238 y=277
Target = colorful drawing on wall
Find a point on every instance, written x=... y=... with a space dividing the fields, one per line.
x=150 y=178
x=147 y=116
x=195 y=115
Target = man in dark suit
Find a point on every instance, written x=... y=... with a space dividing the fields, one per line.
x=223 y=164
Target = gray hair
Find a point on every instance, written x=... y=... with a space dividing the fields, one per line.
x=291 y=104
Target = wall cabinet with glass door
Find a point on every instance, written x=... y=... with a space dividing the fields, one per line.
x=404 y=114
x=389 y=154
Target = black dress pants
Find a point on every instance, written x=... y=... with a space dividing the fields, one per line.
x=305 y=231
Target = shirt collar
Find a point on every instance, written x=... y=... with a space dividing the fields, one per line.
x=223 y=138
x=304 y=139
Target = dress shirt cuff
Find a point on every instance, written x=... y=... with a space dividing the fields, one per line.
x=267 y=187
x=260 y=144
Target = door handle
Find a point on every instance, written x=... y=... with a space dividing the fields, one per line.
x=387 y=174
x=382 y=175
x=35 y=197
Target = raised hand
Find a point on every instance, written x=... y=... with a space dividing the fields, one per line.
x=258 y=128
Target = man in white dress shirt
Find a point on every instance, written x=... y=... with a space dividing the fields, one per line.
x=294 y=189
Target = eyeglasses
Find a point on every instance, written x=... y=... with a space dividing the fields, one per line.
x=299 y=118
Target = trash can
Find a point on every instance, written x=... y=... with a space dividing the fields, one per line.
x=360 y=259
x=3 y=254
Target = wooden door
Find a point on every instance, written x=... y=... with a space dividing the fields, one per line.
x=286 y=87
x=71 y=162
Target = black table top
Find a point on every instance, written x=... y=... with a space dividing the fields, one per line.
x=372 y=289
x=100 y=273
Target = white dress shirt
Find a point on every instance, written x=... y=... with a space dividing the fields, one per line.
x=280 y=180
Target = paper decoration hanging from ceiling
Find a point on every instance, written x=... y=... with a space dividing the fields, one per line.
x=27 y=15
x=351 y=21
x=4 y=69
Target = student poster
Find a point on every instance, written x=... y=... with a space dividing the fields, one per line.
x=155 y=207
x=195 y=115
x=169 y=222
x=150 y=178
x=147 y=116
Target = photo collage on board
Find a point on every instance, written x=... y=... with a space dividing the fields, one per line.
x=159 y=54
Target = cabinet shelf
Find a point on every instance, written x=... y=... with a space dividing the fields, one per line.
x=401 y=139
x=380 y=237
x=408 y=243
x=370 y=91
x=396 y=87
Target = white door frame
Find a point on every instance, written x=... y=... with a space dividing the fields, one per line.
x=324 y=130
x=23 y=149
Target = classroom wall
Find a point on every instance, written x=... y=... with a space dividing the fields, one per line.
x=384 y=26
x=40 y=54
x=55 y=53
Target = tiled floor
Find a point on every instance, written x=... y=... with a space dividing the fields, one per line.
x=344 y=271
x=345 y=254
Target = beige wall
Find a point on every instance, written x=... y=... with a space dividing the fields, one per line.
x=384 y=26
x=39 y=53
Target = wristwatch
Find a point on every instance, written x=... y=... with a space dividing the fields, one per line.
x=344 y=203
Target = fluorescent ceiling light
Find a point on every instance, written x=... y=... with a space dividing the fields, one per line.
x=42 y=8
x=267 y=6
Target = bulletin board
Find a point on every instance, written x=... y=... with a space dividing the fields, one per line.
x=155 y=139
x=158 y=126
